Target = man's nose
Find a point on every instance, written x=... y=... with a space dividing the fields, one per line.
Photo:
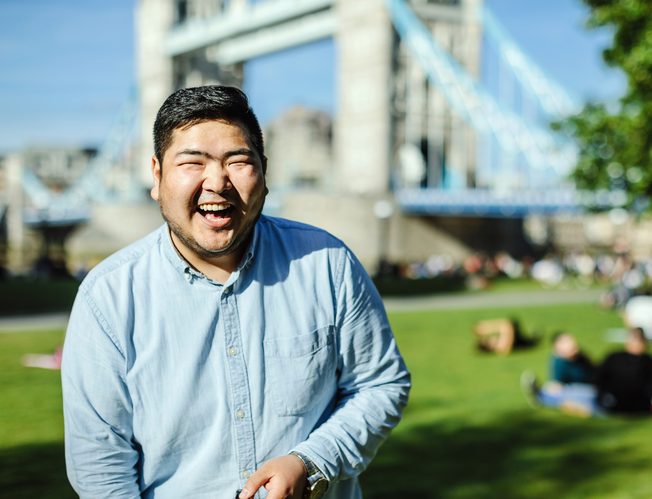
x=216 y=178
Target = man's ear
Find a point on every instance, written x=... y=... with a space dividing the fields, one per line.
x=156 y=175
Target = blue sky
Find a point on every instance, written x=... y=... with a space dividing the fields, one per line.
x=67 y=66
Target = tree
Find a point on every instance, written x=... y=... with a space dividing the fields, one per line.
x=616 y=144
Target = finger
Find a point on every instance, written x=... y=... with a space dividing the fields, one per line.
x=278 y=494
x=277 y=488
x=257 y=479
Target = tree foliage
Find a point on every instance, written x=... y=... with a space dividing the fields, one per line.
x=616 y=144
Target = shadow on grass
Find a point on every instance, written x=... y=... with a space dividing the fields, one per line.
x=31 y=471
x=523 y=455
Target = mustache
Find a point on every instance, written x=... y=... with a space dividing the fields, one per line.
x=230 y=198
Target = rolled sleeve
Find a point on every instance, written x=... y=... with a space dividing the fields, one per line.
x=101 y=456
x=373 y=383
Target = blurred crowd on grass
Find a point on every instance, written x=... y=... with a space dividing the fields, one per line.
x=623 y=275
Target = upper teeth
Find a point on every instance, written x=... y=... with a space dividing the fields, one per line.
x=213 y=207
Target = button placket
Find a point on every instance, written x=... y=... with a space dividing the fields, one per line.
x=244 y=433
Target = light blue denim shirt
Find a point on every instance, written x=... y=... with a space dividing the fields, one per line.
x=177 y=386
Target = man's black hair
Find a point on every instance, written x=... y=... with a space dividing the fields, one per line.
x=189 y=106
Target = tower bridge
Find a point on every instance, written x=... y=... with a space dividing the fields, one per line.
x=438 y=114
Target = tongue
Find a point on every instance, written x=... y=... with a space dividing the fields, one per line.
x=217 y=219
x=215 y=215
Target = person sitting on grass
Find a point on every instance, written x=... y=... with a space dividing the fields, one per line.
x=623 y=384
x=570 y=386
x=568 y=364
x=501 y=336
x=624 y=379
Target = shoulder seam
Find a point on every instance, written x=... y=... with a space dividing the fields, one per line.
x=339 y=277
x=130 y=255
x=106 y=328
x=301 y=226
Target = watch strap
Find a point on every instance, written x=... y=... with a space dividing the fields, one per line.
x=313 y=473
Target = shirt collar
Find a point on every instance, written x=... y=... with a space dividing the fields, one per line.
x=182 y=265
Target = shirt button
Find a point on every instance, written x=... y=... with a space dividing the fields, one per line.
x=246 y=473
x=240 y=414
x=233 y=351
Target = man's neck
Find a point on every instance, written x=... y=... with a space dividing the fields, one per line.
x=218 y=268
x=219 y=271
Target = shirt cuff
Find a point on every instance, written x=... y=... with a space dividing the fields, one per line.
x=312 y=471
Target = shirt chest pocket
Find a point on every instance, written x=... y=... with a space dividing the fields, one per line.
x=300 y=370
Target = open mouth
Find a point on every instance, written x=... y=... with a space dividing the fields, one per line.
x=215 y=211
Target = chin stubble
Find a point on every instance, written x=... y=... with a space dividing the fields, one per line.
x=191 y=243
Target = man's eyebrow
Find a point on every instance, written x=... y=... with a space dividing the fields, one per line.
x=239 y=152
x=236 y=152
x=194 y=152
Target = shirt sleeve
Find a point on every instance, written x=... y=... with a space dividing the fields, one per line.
x=373 y=382
x=101 y=455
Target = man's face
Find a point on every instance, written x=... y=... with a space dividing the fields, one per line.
x=211 y=189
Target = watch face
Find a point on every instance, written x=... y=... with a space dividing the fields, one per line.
x=318 y=489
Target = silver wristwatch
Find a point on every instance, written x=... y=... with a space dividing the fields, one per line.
x=317 y=482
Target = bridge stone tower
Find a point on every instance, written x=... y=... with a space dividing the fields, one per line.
x=365 y=50
x=383 y=101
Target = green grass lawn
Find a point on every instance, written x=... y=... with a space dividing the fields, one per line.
x=467 y=431
x=31 y=422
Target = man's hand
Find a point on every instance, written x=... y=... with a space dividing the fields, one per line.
x=284 y=478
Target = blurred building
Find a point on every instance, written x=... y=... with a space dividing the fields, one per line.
x=330 y=172
x=57 y=167
x=417 y=160
x=64 y=206
x=26 y=175
x=299 y=148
